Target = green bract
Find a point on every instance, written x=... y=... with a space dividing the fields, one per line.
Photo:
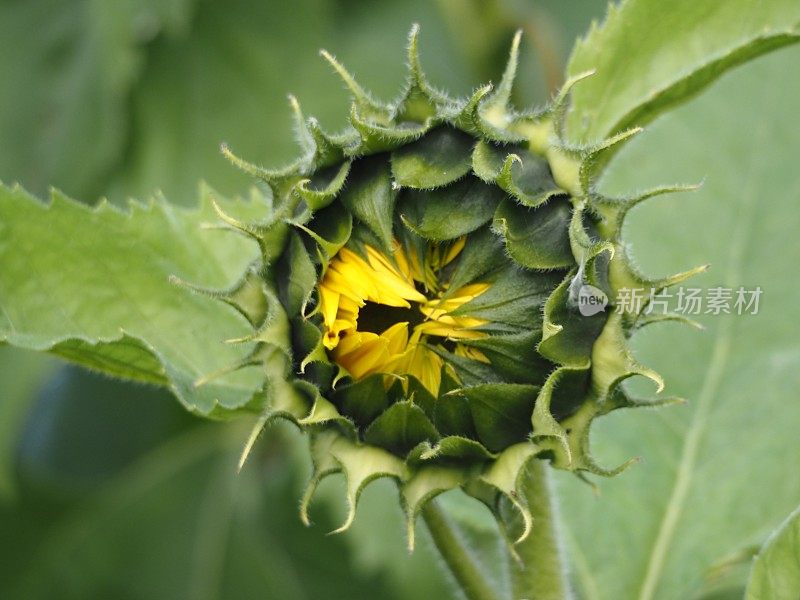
x=428 y=168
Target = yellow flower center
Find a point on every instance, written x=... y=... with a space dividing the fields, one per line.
x=377 y=319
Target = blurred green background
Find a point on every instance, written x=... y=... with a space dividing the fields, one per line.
x=108 y=490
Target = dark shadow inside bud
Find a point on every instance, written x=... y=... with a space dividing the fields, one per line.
x=377 y=318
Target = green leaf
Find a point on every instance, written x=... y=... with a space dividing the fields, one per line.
x=102 y=296
x=650 y=56
x=450 y=212
x=521 y=173
x=452 y=416
x=369 y=196
x=482 y=254
x=716 y=475
x=296 y=275
x=776 y=570
x=362 y=400
x=460 y=448
x=514 y=300
x=330 y=229
x=501 y=412
x=438 y=158
x=536 y=237
x=322 y=188
x=569 y=336
x=401 y=427
x=418 y=393
x=514 y=355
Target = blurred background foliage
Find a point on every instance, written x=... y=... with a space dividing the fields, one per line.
x=109 y=490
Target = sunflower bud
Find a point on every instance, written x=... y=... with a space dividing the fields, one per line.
x=434 y=297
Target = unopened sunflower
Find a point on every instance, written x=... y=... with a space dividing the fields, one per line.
x=434 y=297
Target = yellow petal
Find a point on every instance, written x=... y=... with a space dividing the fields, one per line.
x=402 y=261
x=470 y=352
x=329 y=304
x=362 y=354
x=426 y=366
x=454 y=250
x=352 y=280
x=397 y=338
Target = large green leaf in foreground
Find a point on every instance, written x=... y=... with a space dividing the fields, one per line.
x=776 y=570
x=649 y=55
x=719 y=474
x=92 y=285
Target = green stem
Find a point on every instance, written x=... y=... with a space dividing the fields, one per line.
x=456 y=554
x=540 y=574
